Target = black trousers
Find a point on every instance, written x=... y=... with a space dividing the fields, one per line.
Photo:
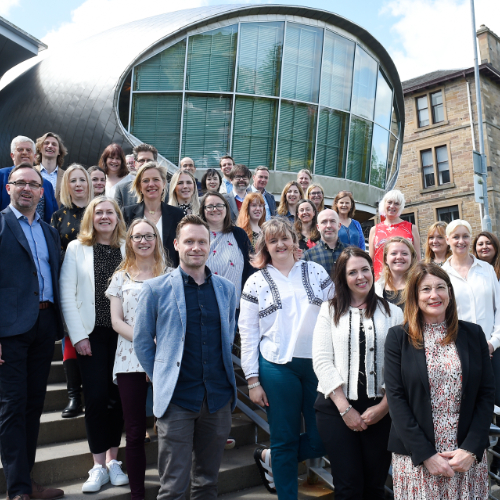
x=360 y=460
x=103 y=408
x=23 y=383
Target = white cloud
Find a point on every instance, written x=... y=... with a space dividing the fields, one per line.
x=6 y=5
x=96 y=16
x=436 y=34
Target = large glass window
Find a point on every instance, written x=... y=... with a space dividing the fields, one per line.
x=365 y=81
x=331 y=148
x=428 y=168
x=297 y=127
x=336 y=75
x=259 y=59
x=206 y=127
x=254 y=131
x=211 y=60
x=437 y=107
x=302 y=62
x=379 y=157
x=164 y=71
x=359 y=159
x=422 y=111
x=448 y=214
x=442 y=165
x=156 y=119
x=383 y=102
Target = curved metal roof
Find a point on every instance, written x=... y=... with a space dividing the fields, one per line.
x=74 y=92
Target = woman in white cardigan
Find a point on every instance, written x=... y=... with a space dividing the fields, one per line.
x=279 y=307
x=348 y=358
x=89 y=264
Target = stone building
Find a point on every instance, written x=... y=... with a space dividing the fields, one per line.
x=441 y=131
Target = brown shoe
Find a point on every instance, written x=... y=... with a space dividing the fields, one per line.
x=41 y=493
x=20 y=497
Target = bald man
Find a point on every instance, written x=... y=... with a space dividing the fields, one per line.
x=187 y=165
x=329 y=247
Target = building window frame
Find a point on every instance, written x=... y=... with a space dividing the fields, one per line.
x=450 y=202
x=410 y=211
x=433 y=147
x=432 y=123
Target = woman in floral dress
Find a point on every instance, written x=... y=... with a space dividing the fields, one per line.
x=144 y=259
x=440 y=389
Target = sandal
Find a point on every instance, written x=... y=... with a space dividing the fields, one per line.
x=265 y=470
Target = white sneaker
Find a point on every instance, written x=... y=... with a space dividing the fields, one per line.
x=116 y=475
x=98 y=476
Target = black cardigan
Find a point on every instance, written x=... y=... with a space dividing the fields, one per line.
x=408 y=394
x=170 y=217
x=245 y=247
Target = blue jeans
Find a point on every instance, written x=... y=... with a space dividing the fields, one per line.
x=291 y=390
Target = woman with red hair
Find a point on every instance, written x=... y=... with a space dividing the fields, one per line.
x=252 y=216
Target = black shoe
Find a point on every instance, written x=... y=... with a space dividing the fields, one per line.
x=74 y=384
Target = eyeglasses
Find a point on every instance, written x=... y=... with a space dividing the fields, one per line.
x=240 y=177
x=138 y=237
x=22 y=184
x=315 y=193
x=211 y=208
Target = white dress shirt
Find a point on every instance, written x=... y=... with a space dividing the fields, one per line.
x=52 y=177
x=278 y=314
x=478 y=297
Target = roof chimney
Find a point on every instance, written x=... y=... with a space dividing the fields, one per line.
x=489 y=46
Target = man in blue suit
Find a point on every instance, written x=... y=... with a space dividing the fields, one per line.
x=190 y=314
x=22 y=149
x=31 y=322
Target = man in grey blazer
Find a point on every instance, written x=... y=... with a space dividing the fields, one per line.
x=183 y=337
x=240 y=179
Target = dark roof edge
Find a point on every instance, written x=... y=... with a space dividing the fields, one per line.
x=18 y=31
x=461 y=73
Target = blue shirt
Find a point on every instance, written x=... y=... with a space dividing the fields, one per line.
x=202 y=373
x=229 y=186
x=352 y=235
x=263 y=193
x=52 y=177
x=39 y=251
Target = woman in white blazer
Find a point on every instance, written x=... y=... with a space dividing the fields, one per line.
x=89 y=264
x=348 y=359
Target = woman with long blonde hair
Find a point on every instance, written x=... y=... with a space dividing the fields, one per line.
x=144 y=259
x=437 y=249
x=90 y=262
x=316 y=194
x=183 y=192
x=290 y=196
x=252 y=215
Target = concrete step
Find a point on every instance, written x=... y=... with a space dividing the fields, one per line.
x=56 y=374
x=56 y=397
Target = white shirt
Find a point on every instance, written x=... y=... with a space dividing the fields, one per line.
x=110 y=190
x=278 y=314
x=52 y=177
x=478 y=297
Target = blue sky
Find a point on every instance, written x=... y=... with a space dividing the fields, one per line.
x=420 y=35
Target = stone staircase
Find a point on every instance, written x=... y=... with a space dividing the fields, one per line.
x=63 y=457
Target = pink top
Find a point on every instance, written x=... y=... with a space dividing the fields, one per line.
x=383 y=233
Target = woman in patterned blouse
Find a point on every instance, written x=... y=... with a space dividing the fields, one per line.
x=183 y=192
x=144 y=259
x=279 y=307
x=76 y=192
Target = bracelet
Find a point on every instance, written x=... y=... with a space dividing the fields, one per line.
x=253 y=386
x=346 y=411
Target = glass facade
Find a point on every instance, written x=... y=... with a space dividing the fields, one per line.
x=281 y=94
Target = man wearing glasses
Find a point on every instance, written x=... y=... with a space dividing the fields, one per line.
x=142 y=154
x=31 y=323
x=22 y=149
x=240 y=176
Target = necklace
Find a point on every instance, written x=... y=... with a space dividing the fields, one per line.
x=359 y=305
x=152 y=212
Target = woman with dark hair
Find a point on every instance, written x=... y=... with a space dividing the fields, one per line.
x=279 y=307
x=150 y=188
x=211 y=181
x=98 y=178
x=486 y=247
x=144 y=259
x=437 y=249
x=399 y=259
x=230 y=247
x=252 y=215
x=350 y=232
x=290 y=196
x=306 y=222
x=440 y=389
x=114 y=164
x=348 y=358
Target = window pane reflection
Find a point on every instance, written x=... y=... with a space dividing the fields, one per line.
x=336 y=76
x=379 y=157
x=358 y=163
x=383 y=102
x=302 y=61
x=365 y=79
